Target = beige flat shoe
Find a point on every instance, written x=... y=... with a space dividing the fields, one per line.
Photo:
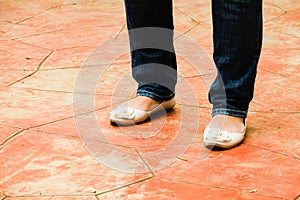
x=125 y=115
x=223 y=139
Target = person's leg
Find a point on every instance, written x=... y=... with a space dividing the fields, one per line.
x=150 y=23
x=151 y=30
x=237 y=34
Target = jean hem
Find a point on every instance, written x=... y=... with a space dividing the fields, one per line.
x=230 y=112
x=154 y=96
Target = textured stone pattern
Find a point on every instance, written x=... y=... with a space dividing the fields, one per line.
x=43 y=44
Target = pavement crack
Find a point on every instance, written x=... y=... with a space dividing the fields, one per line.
x=47 y=90
x=49 y=195
x=126 y=185
x=194 y=106
x=11 y=137
x=199 y=75
x=276 y=152
x=59 y=30
x=37 y=69
x=43 y=11
x=182 y=12
x=151 y=175
x=4 y=197
x=283 y=12
x=33 y=45
x=292 y=35
x=119 y=33
x=69 y=117
x=11 y=126
x=278 y=74
x=52 y=122
x=146 y=164
x=297 y=197
x=190 y=29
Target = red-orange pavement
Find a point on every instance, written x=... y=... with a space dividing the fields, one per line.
x=50 y=144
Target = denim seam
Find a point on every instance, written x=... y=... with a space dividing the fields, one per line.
x=230 y=112
x=156 y=95
x=225 y=109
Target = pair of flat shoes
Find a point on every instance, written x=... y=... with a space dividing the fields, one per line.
x=213 y=137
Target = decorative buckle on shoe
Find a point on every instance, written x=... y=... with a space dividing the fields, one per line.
x=123 y=112
x=219 y=135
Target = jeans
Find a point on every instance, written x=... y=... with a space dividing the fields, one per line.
x=237 y=37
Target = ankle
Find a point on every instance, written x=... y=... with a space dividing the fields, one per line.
x=228 y=123
x=142 y=102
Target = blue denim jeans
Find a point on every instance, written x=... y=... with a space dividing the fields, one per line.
x=237 y=37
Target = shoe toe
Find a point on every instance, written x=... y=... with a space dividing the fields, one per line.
x=221 y=138
x=125 y=115
x=128 y=116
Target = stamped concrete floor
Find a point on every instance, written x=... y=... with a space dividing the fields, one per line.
x=64 y=65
